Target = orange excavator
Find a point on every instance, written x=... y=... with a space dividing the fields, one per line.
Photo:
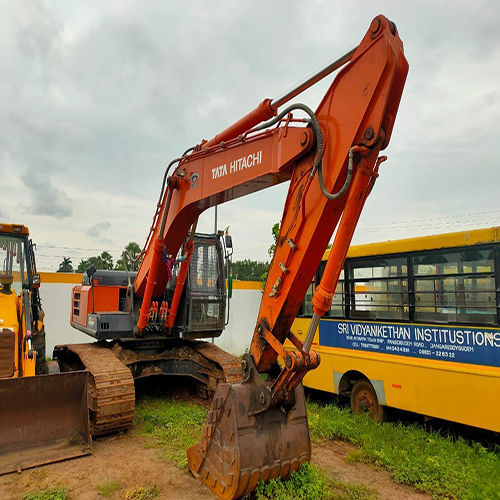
x=256 y=429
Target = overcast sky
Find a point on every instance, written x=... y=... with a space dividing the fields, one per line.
x=97 y=97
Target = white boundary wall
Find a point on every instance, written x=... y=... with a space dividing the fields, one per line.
x=56 y=302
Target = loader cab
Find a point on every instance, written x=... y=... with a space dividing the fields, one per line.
x=20 y=306
x=17 y=261
x=15 y=257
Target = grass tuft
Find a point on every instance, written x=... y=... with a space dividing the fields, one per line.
x=438 y=465
x=108 y=488
x=143 y=493
x=174 y=426
x=311 y=483
x=48 y=494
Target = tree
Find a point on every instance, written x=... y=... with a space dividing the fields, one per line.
x=248 y=270
x=275 y=232
x=129 y=256
x=103 y=261
x=65 y=266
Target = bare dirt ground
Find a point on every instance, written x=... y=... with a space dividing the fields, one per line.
x=126 y=460
x=132 y=462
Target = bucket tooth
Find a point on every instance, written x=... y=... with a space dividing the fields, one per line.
x=255 y=476
x=243 y=449
x=285 y=469
x=243 y=484
x=275 y=471
x=265 y=473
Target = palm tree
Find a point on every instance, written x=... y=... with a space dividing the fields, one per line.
x=65 y=266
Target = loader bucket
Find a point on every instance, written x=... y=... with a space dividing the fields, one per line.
x=237 y=450
x=43 y=419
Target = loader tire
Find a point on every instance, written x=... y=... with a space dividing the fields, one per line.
x=39 y=347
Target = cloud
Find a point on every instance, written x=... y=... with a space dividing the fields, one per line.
x=96 y=100
x=45 y=198
x=34 y=154
x=99 y=232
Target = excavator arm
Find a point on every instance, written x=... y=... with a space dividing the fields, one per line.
x=258 y=430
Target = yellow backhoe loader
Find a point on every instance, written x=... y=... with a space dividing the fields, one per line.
x=43 y=417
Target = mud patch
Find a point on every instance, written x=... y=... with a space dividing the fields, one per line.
x=123 y=459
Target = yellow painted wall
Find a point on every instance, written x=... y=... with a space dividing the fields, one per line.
x=76 y=278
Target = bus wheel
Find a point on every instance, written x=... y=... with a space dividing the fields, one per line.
x=364 y=399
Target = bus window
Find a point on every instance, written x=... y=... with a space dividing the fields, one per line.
x=453 y=262
x=455 y=286
x=337 y=309
x=307 y=307
x=379 y=289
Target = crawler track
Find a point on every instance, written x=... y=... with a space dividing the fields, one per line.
x=111 y=393
x=113 y=367
x=231 y=365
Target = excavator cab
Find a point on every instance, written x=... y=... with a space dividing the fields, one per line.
x=106 y=308
x=44 y=418
x=202 y=311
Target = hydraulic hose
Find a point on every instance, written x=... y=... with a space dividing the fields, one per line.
x=314 y=123
x=162 y=191
x=344 y=188
x=167 y=170
x=319 y=148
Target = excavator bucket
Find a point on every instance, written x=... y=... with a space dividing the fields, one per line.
x=43 y=419
x=242 y=445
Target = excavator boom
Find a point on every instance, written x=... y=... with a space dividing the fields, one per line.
x=256 y=429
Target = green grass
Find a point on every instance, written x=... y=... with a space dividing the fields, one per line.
x=173 y=425
x=438 y=465
x=143 y=493
x=311 y=483
x=48 y=494
x=108 y=488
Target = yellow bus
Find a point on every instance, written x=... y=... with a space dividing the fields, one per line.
x=414 y=325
